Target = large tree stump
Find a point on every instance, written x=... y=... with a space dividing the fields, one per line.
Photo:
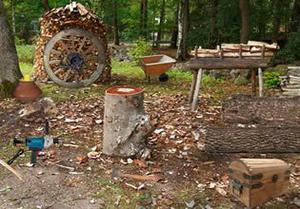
x=125 y=123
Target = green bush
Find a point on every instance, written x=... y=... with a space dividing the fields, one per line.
x=142 y=48
x=272 y=79
x=26 y=53
x=291 y=51
x=210 y=81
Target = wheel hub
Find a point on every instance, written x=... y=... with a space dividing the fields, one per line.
x=75 y=61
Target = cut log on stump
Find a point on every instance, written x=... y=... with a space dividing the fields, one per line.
x=125 y=123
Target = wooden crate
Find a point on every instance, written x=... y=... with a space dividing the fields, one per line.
x=256 y=181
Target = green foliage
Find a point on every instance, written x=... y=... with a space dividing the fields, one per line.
x=141 y=48
x=272 y=79
x=209 y=81
x=6 y=89
x=291 y=52
x=26 y=53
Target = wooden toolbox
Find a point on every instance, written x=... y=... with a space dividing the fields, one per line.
x=256 y=181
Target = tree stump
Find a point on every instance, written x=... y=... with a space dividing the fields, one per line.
x=125 y=123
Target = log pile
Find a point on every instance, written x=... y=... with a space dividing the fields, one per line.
x=256 y=125
x=291 y=82
x=74 y=15
x=252 y=49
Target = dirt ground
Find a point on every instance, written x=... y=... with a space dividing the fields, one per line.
x=190 y=178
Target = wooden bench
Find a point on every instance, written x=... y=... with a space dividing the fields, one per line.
x=254 y=56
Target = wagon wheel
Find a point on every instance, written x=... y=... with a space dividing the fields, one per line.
x=74 y=58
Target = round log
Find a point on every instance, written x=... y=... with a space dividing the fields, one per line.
x=125 y=123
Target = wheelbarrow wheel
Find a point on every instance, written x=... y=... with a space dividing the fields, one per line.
x=74 y=58
x=163 y=77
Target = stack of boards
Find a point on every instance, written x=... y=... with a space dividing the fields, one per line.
x=253 y=49
x=291 y=82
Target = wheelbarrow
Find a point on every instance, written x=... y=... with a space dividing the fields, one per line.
x=157 y=65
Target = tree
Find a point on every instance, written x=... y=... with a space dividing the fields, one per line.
x=174 y=35
x=295 y=24
x=161 y=22
x=46 y=5
x=245 y=14
x=115 y=23
x=144 y=17
x=213 y=23
x=183 y=29
x=9 y=65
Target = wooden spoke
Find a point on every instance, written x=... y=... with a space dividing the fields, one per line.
x=52 y=62
x=59 y=70
x=68 y=73
x=81 y=44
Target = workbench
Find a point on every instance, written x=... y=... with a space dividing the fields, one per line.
x=197 y=65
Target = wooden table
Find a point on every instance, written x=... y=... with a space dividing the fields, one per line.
x=197 y=65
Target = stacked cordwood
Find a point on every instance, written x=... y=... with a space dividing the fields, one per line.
x=74 y=15
x=291 y=82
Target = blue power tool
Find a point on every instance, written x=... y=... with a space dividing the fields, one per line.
x=35 y=144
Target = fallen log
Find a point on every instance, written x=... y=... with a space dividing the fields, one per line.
x=253 y=139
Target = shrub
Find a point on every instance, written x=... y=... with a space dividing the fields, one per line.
x=272 y=79
x=142 y=48
x=26 y=53
x=291 y=51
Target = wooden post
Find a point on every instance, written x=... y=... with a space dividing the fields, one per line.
x=125 y=123
x=253 y=78
x=197 y=90
x=192 y=90
x=261 y=82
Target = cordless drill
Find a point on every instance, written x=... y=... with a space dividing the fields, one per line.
x=35 y=144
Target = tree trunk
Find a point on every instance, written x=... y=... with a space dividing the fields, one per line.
x=9 y=65
x=46 y=5
x=13 y=16
x=174 y=37
x=125 y=124
x=295 y=25
x=213 y=23
x=115 y=23
x=161 y=22
x=182 y=30
x=144 y=18
x=276 y=18
x=245 y=13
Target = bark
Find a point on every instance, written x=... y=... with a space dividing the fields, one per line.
x=174 y=37
x=161 y=22
x=259 y=139
x=9 y=65
x=116 y=23
x=245 y=13
x=213 y=23
x=256 y=125
x=125 y=124
x=276 y=17
x=46 y=5
x=295 y=25
x=13 y=16
x=182 y=53
x=144 y=17
x=246 y=109
x=225 y=63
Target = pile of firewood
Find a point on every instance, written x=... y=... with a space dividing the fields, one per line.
x=290 y=83
x=253 y=49
x=74 y=15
